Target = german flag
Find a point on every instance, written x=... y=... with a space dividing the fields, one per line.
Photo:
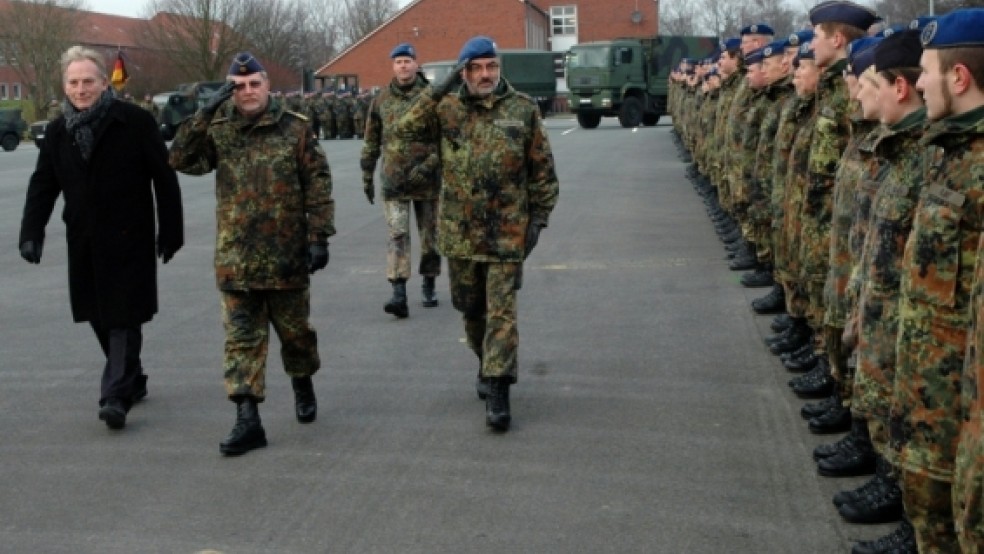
x=120 y=76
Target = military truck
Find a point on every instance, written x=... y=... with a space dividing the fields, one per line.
x=627 y=77
x=183 y=103
x=528 y=71
x=12 y=127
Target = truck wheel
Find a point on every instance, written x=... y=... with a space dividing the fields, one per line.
x=9 y=142
x=650 y=119
x=631 y=113
x=588 y=120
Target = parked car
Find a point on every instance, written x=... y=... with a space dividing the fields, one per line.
x=37 y=131
x=12 y=127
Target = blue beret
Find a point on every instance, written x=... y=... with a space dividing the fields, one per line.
x=842 y=11
x=799 y=37
x=244 y=64
x=920 y=22
x=956 y=29
x=861 y=54
x=889 y=31
x=903 y=49
x=775 y=48
x=755 y=56
x=713 y=72
x=757 y=29
x=404 y=49
x=477 y=47
x=732 y=43
x=805 y=52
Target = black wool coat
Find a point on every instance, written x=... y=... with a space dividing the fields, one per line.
x=109 y=213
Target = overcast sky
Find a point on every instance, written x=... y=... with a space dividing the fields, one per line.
x=135 y=8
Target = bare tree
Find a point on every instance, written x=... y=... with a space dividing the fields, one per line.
x=33 y=36
x=362 y=17
x=199 y=37
x=323 y=28
x=678 y=17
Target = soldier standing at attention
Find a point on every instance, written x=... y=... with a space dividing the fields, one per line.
x=499 y=187
x=937 y=281
x=109 y=163
x=410 y=176
x=275 y=214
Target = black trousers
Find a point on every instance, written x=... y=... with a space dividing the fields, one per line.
x=123 y=372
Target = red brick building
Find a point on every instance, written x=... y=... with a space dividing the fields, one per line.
x=438 y=28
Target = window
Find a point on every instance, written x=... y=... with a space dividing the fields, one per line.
x=563 y=20
x=3 y=91
x=15 y=92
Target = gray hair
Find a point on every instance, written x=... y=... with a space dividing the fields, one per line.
x=81 y=53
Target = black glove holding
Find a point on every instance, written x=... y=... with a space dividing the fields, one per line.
x=367 y=186
x=31 y=251
x=532 y=235
x=441 y=88
x=224 y=93
x=165 y=251
x=317 y=256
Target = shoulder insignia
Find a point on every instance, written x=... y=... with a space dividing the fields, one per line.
x=300 y=116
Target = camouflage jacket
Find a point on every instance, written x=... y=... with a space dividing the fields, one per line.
x=411 y=168
x=761 y=176
x=726 y=95
x=796 y=189
x=791 y=117
x=497 y=170
x=731 y=138
x=936 y=285
x=272 y=189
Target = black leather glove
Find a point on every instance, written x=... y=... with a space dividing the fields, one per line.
x=317 y=256
x=367 y=186
x=441 y=88
x=532 y=235
x=224 y=93
x=165 y=251
x=31 y=251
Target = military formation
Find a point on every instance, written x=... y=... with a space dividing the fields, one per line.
x=334 y=114
x=842 y=168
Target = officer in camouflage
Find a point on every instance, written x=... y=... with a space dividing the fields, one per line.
x=275 y=214
x=499 y=187
x=410 y=176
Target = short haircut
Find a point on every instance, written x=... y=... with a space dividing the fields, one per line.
x=970 y=56
x=910 y=74
x=850 y=32
x=81 y=53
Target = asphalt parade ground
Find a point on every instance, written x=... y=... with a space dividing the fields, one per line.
x=648 y=418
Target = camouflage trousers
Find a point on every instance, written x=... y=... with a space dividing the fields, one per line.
x=968 y=487
x=878 y=432
x=796 y=299
x=874 y=379
x=762 y=237
x=815 y=312
x=397 y=213
x=246 y=316
x=485 y=294
x=837 y=355
x=927 y=504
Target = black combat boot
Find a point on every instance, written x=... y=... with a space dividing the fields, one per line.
x=497 y=414
x=855 y=457
x=743 y=261
x=397 y=305
x=781 y=321
x=772 y=303
x=804 y=361
x=799 y=334
x=760 y=277
x=811 y=410
x=799 y=352
x=305 y=403
x=248 y=432
x=481 y=386
x=427 y=289
x=882 y=503
x=900 y=541
x=835 y=420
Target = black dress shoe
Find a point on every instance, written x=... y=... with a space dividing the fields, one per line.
x=781 y=321
x=836 y=420
x=305 y=403
x=900 y=541
x=882 y=504
x=113 y=412
x=849 y=462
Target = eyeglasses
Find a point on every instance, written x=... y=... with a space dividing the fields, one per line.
x=476 y=67
x=251 y=84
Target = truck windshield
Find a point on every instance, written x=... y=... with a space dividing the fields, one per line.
x=596 y=56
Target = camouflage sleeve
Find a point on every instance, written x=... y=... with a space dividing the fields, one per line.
x=373 y=139
x=315 y=177
x=192 y=152
x=420 y=119
x=541 y=175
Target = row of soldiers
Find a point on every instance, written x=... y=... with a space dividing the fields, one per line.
x=846 y=172
x=333 y=115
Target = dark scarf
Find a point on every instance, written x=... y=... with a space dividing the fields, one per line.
x=82 y=123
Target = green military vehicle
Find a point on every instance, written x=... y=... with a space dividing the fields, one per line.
x=183 y=103
x=627 y=78
x=12 y=127
x=528 y=71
